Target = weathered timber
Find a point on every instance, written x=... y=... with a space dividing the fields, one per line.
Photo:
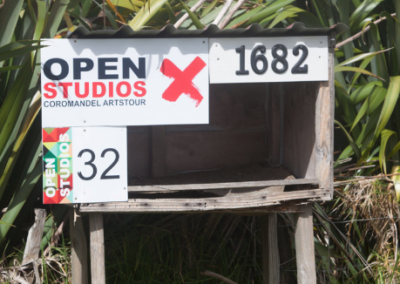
x=97 y=261
x=227 y=185
x=158 y=151
x=79 y=262
x=202 y=204
x=270 y=252
x=35 y=233
x=324 y=127
x=304 y=239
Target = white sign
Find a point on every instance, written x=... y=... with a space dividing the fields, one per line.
x=98 y=82
x=272 y=59
x=84 y=164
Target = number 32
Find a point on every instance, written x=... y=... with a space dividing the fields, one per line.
x=93 y=166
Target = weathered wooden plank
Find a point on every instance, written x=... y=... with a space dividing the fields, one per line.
x=299 y=128
x=274 y=121
x=270 y=252
x=32 y=247
x=304 y=239
x=97 y=261
x=324 y=117
x=157 y=151
x=139 y=154
x=189 y=151
x=202 y=204
x=79 y=262
x=227 y=185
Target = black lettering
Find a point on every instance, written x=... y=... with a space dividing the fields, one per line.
x=70 y=103
x=64 y=103
x=78 y=68
x=64 y=69
x=58 y=103
x=105 y=103
x=127 y=65
x=111 y=103
x=103 y=68
x=52 y=103
x=82 y=103
x=143 y=102
x=46 y=105
x=87 y=103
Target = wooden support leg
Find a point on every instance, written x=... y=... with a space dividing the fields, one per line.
x=97 y=260
x=304 y=238
x=270 y=252
x=78 y=250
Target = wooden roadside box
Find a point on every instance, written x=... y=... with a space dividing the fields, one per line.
x=268 y=146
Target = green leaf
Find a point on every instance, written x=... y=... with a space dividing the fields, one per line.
x=385 y=135
x=209 y=8
x=285 y=13
x=363 y=92
x=9 y=68
x=54 y=19
x=352 y=143
x=355 y=69
x=33 y=172
x=144 y=15
x=128 y=4
x=243 y=18
x=272 y=8
x=371 y=103
x=361 y=57
x=41 y=19
x=9 y=15
x=388 y=105
x=362 y=11
x=193 y=17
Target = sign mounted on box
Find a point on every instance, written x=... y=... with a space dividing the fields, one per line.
x=273 y=59
x=84 y=164
x=124 y=82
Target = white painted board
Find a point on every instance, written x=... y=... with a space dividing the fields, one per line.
x=84 y=165
x=225 y=56
x=111 y=82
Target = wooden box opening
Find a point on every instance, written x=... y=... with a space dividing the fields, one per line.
x=259 y=135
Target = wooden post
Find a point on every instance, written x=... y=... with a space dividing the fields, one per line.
x=270 y=252
x=304 y=239
x=97 y=261
x=78 y=250
x=32 y=247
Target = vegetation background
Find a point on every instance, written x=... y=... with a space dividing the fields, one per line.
x=356 y=235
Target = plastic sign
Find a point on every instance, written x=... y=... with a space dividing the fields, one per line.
x=272 y=59
x=84 y=164
x=93 y=82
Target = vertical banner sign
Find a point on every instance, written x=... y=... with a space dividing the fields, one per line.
x=84 y=164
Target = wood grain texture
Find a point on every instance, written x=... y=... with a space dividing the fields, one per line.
x=79 y=261
x=274 y=123
x=304 y=239
x=188 y=151
x=158 y=151
x=97 y=261
x=324 y=129
x=32 y=247
x=227 y=185
x=299 y=128
x=139 y=155
x=203 y=204
x=270 y=251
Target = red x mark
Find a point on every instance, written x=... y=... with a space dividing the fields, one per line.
x=183 y=80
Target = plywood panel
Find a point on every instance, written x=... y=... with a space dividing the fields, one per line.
x=139 y=143
x=299 y=101
x=189 y=151
x=232 y=106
